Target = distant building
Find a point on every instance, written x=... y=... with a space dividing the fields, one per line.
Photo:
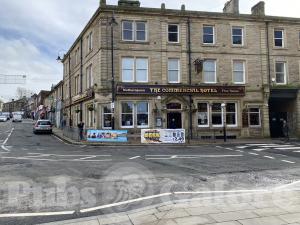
x=41 y=110
x=200 y=71
x=15 y=105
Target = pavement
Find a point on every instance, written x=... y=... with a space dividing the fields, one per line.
x=45 y=179
x=276 y=207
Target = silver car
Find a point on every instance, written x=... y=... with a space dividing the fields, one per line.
x=3 y=118
x=42 y=126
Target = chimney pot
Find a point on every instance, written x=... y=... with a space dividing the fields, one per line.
x=258 y=9
x=231 y=7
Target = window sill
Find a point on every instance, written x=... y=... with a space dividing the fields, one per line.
x=280 y=48
x=135 y=42
x=174 y=43
x=210 y=45
x=255 y=127
x=87 y=54
x=238 y=46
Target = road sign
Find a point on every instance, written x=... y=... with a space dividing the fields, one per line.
x=12 y=79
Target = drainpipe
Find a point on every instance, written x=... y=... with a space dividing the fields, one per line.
x=190 y=80
x=268 y=54
x=70 y=91
x=81 y=78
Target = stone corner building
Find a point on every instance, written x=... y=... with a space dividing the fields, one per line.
x=133 y=67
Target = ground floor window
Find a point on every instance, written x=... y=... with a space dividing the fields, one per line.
x=231 y=114
x=106 y=116
x=131 y=112
x=203 y=114
x=90 y=118
x=215 y=113
x=254 y=117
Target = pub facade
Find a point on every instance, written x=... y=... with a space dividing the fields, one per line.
x=134 y=68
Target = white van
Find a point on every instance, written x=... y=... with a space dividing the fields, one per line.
x=17 y=118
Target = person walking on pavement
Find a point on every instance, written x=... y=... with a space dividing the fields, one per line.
x=80 y=129
x=285 y=130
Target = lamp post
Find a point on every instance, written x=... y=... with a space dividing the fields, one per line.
x=223 y=106
x=112 y=24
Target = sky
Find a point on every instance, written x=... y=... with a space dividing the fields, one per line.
x=34 y=32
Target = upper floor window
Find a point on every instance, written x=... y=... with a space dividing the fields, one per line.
x=238 y=72
x=77 y=87
x=209 y=71
x=278 y=38
x=280 y=72
x=134 y=69
x=89 y=77
x=299 y=38
x=237 y=36
x=173 y=33
x=208 y=34
x=134 y=31
x=89 y=42
x=173 y=71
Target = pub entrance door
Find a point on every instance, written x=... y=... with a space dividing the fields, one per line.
x=174 y=120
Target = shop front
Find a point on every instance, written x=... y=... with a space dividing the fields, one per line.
x=169 y=107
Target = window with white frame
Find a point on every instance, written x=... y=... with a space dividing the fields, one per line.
x=127 y=114
x=299 y=39
x=106 y=116
x=134 y=69
x=89 y=77
x=203 y=112
x=254 y=117
x=77 y=89
x=231 y=114
x=216 y=114
x=134 y=31
x=173 y=70
x=238 y=72
x=89 y=42
x=142 y=114
x=237 y=36
x=90 y=118
x=132 y=112
x=209 y=71
x=208 y=34
x=280 y=72
x=173 y=33
x=278 y=38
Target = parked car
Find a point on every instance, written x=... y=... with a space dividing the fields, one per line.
x=3 y=118
x=7 y=114
x=17 y=118
x=42 y=126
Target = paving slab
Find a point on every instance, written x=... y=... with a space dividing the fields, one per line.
x=272 y=220
x=291 y=218
x=195 y=220
x=231 y=216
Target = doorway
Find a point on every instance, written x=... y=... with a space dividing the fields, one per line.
x=276 y=121
x=174 y=120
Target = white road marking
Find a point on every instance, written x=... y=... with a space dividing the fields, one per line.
x=152 y=157
x=88 y=157
x=55 y=160
x=252 y=153
x=5 y=141
x=135 y=157
x=239 y=151
x=219 y=146
x=288 y=148
x=174 y=156
x=242 y=147
x=229 y=149
x=123 y=203
x=287 y=185
x=36 y=214
x=261 y=144
x=261 y=149
x=269 y=157
x=287 y=161
x=276 y=146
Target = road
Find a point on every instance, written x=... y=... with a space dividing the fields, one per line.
x=49 y=180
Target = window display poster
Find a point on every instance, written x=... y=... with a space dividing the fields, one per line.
x=107 y=135
x=175 y=136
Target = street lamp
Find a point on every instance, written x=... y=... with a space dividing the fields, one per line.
x=223 y=106
x=60 y=56
x=112 y=23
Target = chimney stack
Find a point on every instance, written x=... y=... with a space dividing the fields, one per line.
x=258 y=9
x=129 y=3
x=231 y=7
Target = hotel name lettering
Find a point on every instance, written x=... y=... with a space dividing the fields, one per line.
x=194 y=90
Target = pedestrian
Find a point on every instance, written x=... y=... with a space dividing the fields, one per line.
x=80 y=129
x=285 y=130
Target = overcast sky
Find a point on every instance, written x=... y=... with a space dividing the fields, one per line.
x=33 y=32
